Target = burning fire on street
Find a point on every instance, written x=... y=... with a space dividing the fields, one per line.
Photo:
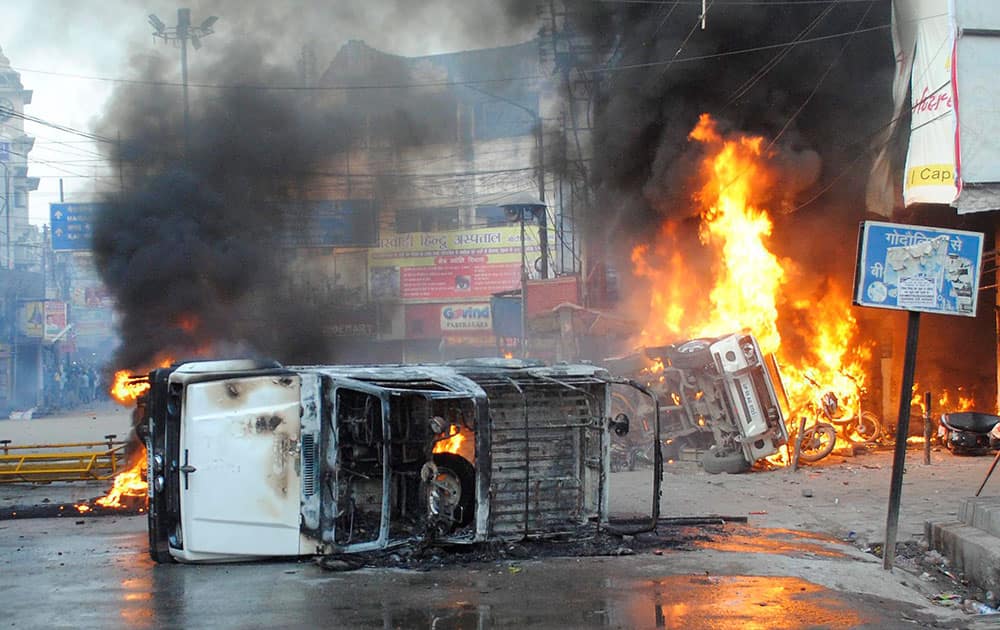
x=748 y=286
x=129 y=487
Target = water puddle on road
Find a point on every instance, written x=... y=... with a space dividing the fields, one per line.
x=748 y=602
x=781 y=541
x=680 y=601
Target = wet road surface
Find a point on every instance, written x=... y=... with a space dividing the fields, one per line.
x=58 y=573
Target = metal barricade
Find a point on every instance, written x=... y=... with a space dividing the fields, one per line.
x=76 y=461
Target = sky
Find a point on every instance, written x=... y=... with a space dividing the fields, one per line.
x=70 y=53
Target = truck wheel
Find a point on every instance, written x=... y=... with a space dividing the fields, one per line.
x=715 y=461
x=460 y=477
x=692 y=354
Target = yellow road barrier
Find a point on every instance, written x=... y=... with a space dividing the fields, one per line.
x=76 y=461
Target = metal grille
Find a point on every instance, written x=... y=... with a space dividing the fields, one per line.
x=309 y=470
x=544 y=475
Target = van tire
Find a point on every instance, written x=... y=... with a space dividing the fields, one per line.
x=692 y=354
x=460 y=469
x=715 y=461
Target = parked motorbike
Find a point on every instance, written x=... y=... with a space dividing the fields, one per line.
x=969 y=432
x=862 y=424
x=818 y=439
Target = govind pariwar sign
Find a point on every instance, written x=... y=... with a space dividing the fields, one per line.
x=918 y=268
x=452 y=265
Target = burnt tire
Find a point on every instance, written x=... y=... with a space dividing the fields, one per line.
x=458 y=469
x=692 y=354
x=715 y=462
x=817 y=442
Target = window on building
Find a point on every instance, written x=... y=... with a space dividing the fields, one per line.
x=502 y=119
x=426 y=220
x=491 y=216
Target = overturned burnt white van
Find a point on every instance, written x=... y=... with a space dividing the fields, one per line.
x=249 y=459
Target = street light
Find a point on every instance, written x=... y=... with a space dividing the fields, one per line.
x=519 y=205
x=182 y=33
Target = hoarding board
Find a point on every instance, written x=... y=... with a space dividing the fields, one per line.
x=453 y=265
x=31 y=318
x=918 y=268
x=55 y=318
x=332 y=223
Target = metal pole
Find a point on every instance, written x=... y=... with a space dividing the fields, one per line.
x=798 y=444
x=524 y=295
x=902 y=431
x=183 y=22
x=543 y=218
x=6 y=203
x=927 y=428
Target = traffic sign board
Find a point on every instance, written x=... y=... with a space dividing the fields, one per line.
x=72 y=225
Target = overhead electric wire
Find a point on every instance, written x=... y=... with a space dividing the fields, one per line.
x=533 y=77
x=822 y=78
x=777 y=59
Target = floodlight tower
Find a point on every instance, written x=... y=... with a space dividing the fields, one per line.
x=182 y=33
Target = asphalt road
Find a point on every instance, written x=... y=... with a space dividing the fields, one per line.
x=795 y=565
x=95 y=573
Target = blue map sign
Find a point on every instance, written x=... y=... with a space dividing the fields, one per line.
x=72 y=225
x=917 y=268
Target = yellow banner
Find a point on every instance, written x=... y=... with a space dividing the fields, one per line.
x=453 y=265
x=931 y=175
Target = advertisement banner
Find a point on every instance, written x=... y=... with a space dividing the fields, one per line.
x=931 y=173
x=431 y=321
x=55 y=318
x=466 y=317
x=31 y=319
x=454 y=265
x=917 y=268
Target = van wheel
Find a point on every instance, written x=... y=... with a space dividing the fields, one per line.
x=692 y=354
x=715 y=461
x=458 y=477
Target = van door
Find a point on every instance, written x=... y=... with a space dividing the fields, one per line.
x=240 y=479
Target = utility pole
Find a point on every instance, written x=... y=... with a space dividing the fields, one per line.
x=182 y=33
x=6 y=211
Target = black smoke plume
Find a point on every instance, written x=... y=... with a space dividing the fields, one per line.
x=194 y=244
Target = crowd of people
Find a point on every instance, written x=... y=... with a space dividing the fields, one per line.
x=71 y=384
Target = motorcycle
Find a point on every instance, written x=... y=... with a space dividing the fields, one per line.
x=861 y=424
x=818 y=439
x=969 y=432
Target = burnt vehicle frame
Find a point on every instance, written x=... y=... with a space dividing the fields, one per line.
x=345 y=457
x=718 y=395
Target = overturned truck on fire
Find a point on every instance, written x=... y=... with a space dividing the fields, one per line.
x=250 y=460
x=717 y=395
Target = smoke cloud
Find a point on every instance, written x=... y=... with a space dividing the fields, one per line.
x=194 y=242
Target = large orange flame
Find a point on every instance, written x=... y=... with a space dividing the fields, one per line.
x=127 y=484
x=746 y=286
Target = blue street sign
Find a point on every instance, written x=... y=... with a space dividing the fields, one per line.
x=917 y=268
x=72 y=225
